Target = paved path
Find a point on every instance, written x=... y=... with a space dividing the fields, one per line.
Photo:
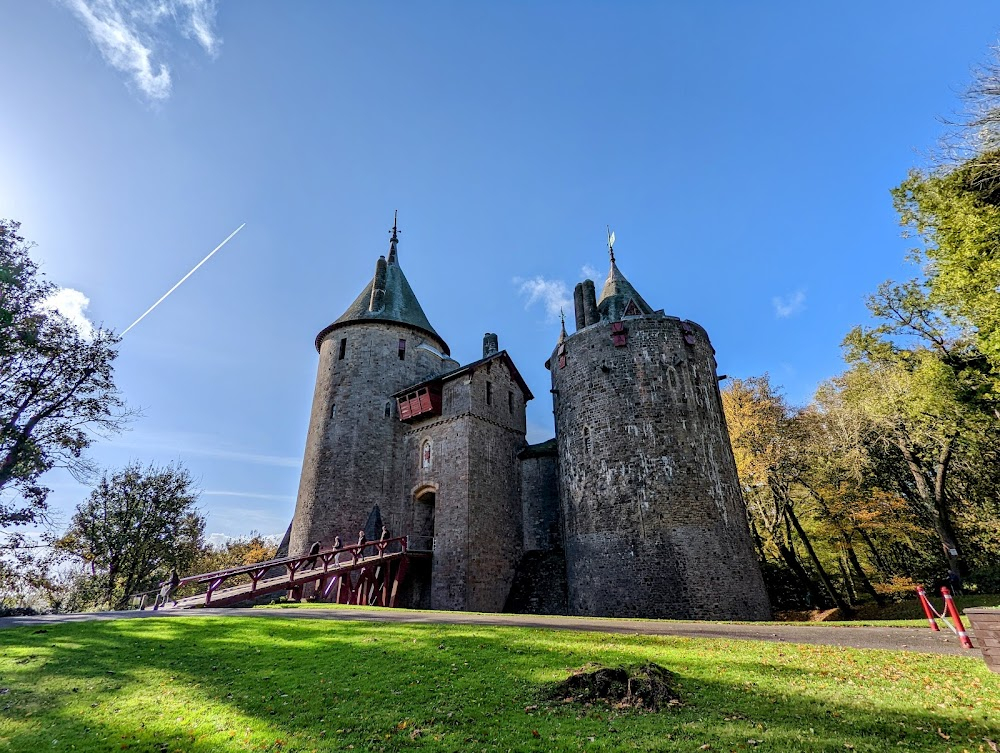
x=890 y=638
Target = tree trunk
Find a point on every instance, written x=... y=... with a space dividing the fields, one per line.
x=816 y=594
x=876 y=554
x=852 y=597
x=849 y=548
x=757 y=540
x=827 y=583
x=866 y=584
x=933 y=500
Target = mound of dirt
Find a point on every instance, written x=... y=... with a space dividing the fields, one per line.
x=648 y=686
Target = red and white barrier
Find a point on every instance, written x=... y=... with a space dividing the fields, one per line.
x=928 y=609
x=950 y=611
x=956 y=618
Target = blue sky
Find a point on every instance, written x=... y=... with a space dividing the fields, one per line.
x=742 y=152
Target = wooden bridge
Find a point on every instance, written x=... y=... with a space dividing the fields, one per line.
x=369 y=574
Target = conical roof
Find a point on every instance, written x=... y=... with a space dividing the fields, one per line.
x=616 y=296
x=398 y=304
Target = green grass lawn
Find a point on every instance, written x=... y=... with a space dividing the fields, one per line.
x=906 y=613
x=233 y=684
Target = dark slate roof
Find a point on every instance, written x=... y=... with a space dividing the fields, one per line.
x=400 y=305
x=616 y=294
x=472 y=367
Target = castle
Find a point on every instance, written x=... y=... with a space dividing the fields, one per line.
x=633 y=510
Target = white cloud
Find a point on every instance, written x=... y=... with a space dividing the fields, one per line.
x=553 y=293
x=129 y=35
x=785 y=306
x=71 y=304
x=589 y=273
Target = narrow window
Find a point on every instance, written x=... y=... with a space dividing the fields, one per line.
x=343 y=349
x=425 y=454
x=510 y=402
x=402 y=349
x=333 y=411
x=489 y=393
x=586 y=440
x=388 y=410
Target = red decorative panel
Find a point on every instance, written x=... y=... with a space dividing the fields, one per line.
x=424 y=402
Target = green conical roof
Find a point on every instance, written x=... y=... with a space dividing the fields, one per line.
x=399 y=304
x=617 y=293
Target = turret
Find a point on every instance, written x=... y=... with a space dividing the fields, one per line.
x=654 y=522
x=382 y=343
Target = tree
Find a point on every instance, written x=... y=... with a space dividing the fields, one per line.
x=913 y=408
x=920 y=382
x=137 y=523
x=767 y=438
x=56 y=386
x=957 y=217
x=248 y=550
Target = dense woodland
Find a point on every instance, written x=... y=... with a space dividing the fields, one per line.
x=888 y=478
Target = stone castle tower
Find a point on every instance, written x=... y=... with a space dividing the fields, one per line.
x=632 y=510
x=649 y=495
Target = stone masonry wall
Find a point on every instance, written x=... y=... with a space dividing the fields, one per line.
x=448 y=477
x=654 y=523
x=540 y=501
x=473 y=474
x=350 y=461
x=496 y=430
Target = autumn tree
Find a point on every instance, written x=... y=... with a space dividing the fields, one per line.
x=244 y=550
x=137 y=524
x=768 y=444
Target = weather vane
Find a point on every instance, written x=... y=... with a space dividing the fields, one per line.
x=611 y=244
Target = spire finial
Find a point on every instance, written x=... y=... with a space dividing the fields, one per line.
x=394 y=240
x=562 y=321
x=611 y=244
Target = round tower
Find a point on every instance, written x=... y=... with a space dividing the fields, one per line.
x=653 y=519
x=382 y=344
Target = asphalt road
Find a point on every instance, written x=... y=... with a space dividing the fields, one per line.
x=922 y=640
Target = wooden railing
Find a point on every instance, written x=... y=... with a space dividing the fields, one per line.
x=297 y=570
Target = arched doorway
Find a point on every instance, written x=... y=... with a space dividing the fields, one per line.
x=422 y=538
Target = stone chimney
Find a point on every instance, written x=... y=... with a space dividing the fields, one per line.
x=378 y=286
x=491 y=344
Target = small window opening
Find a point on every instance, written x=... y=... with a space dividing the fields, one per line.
x=510 y=402
x=388 y=410
x=402 y=349
x=333 y=411
x=343 y=349
x=586 y=440
x=489 y=393
x=425 y=454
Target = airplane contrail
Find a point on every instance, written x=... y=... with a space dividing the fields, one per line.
x=183 y=279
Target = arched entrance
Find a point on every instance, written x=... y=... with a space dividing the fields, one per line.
x=422 y=538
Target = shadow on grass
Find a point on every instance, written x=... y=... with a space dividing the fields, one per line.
x=233 y=684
